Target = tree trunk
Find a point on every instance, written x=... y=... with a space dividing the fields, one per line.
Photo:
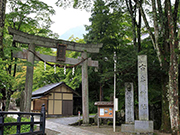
x=165 y=119
x=101 y=92
x=132 y=11
x=8 y=97
x=173 y=69
x=173 y=92
x=139 y=30
x=2 y=18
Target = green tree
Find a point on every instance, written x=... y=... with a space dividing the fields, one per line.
x=27 y=17
x=2 y=18
x=111 y=29
x=165 y=41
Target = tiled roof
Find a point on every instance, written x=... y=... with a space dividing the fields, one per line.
x=104 y=103
x=46 y=88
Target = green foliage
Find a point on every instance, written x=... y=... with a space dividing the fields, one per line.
x=1 y=95
x=92 y=107
x=21 y=12
x=82 y=4
x=12 y=129
x=6 y=80
x=30 y=16
x=110 y=27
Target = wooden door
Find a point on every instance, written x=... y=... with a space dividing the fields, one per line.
x=67 y=107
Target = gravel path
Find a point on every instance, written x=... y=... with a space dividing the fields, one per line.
x=64 y=120
x=61 y=127
x=67 y=130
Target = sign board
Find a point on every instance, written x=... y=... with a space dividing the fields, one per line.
x=116 y=104
x=105 y=112
x=61 y=52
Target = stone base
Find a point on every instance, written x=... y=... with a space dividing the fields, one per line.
x=127 y=128
x=143 y=126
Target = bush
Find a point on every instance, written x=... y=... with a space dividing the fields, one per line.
x=8 y=130
x=92 y=108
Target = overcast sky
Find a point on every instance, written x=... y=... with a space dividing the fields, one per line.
x=65 y=19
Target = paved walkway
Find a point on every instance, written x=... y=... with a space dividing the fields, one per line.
x=61 y=125
x=64 y=120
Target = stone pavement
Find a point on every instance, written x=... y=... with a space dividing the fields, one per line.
x=63 y=120
x=66 y=120
x=68 y=130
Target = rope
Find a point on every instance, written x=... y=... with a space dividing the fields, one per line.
x=58 y=65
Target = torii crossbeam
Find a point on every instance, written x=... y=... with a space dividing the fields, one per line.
x=33 y=41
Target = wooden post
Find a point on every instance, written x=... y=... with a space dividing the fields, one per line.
x=43 y=119
x=18 y=126
x=85 y=91
x=1 y=122
x=29 y=79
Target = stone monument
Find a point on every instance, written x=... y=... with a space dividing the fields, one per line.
x=129 y=109
x=143 y=125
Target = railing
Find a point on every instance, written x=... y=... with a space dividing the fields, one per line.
x=42 y=115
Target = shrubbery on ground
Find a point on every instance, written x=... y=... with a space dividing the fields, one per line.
x=9 y=130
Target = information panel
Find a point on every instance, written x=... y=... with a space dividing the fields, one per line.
x=106 y=112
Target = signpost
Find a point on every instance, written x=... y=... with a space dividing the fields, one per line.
x=114 y=116
x=105 y=110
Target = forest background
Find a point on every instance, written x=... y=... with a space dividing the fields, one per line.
x=120 y=26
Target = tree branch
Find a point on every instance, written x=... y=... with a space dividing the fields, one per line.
x=176 y=6
x=155 y=44
x=130 y=9
x=161 y=17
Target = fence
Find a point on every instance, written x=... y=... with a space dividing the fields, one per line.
x=41 y=122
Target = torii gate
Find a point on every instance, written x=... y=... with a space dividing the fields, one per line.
x=29 y=54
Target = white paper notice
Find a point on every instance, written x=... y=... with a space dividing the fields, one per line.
x=101 y=111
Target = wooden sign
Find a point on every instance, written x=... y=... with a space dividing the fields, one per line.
x=61 y=52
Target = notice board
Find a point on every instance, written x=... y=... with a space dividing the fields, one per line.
x=105 y=112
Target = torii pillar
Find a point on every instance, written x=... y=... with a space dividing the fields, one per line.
x=29 y=79
x=85 y=90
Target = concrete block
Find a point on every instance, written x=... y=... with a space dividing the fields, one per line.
x=144 y=126
x=127 y=128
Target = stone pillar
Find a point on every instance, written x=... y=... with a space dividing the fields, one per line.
x=143 y=125
x=85 y=91
x=29 y=79
x=129 y=109
x=129 y=103
x=143 y=88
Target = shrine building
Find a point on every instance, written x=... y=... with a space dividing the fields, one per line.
x=57 y=97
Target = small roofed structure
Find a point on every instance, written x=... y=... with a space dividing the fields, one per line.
x=57 y=97
x=105 y=110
